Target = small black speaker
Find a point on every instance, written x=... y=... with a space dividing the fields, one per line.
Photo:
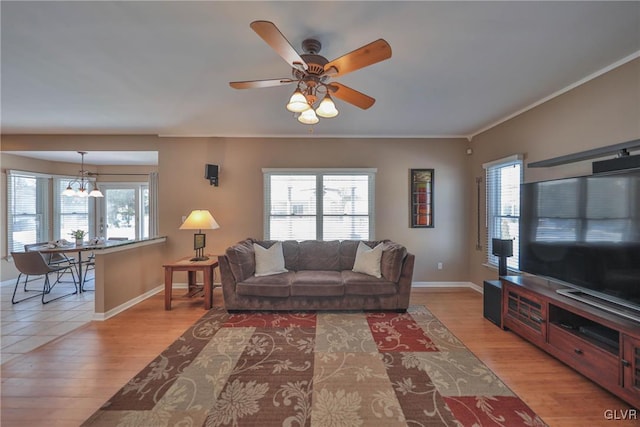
x=492 y=301
x=211 y=173
x=502 y=248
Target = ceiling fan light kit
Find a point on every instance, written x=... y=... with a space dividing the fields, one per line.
x=327 y=108
x=311 y=72
x=308 y=117
x=298 y=103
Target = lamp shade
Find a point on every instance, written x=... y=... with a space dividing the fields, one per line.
x=298 y=102
x=69 y=191
x=327 y=108
x=199 y=220
x=308 y=117
x=95 y=192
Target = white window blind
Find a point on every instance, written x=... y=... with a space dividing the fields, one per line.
x=72 y=212
x=503 y=178
x=319 y=204
x=27 y=196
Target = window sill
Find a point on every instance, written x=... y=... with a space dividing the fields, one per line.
x=510 y=270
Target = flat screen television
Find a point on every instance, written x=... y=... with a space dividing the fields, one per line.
x=584 y=232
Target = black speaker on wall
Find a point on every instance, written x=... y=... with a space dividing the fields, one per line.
x=502 y=248
x=211 y=173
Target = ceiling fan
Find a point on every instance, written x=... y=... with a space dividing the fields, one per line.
x=311 y=72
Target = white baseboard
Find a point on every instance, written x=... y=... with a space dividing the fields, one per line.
x=119 y=309
x=109 y=314
x=160 y=288
x=470 y=285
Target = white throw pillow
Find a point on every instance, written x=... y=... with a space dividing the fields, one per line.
x=368 y=260
x=269 y=261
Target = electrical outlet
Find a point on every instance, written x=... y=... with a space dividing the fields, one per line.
x=439 y=266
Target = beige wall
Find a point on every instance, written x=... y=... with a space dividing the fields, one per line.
x=127 y=273
x=602 y=112
x=237 y=204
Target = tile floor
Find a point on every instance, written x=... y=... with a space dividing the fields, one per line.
x=30 y=324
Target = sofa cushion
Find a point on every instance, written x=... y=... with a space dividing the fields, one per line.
x=317 y=283
x=368 y=260
x=241 y=260
x=364 y=284
x=319 y=255
x=277 y=285
x=393 y=255
x=289 y=249
x=269 y=261
x=348 y=249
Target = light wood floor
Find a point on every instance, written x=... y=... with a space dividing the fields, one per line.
x=63 y=382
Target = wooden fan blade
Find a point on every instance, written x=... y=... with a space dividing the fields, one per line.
x=274 y=38
x=252 y=84
x=351 y=96
x=372 y=53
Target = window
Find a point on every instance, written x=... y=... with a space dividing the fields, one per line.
x=124 y=211
x=503 y=178
x=27 y=200
x=38 y=212
x=332 y=204
x=73 y=213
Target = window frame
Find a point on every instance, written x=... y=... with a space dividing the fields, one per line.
x=319 y=174
x=42 y=197
x=57 y=213
x=141 y=227
x=493 y=203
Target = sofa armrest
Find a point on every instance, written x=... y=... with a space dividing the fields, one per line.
x=404 y=283
x=227 y=279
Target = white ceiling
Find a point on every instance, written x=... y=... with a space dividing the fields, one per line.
x=163 y=67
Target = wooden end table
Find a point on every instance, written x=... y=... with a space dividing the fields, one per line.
x=192 y=267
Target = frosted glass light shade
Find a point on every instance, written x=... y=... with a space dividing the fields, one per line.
x=69 y=191
x=298 y=103
x=327 y=108
x=96 y=193
x=308 y=117
x=199 y=220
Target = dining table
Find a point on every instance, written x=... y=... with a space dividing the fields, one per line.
x=79 y=249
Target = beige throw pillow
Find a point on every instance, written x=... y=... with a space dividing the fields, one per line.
x=368 y=260
x=269 y=261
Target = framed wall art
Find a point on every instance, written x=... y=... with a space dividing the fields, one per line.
x=421 y=198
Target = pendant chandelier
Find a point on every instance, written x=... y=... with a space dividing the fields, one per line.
x=83 y=182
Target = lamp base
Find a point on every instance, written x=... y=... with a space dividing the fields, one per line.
x=199 y=258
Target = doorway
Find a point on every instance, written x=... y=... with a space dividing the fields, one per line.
x=124 y=211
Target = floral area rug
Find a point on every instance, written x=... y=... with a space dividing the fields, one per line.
x=320 y=369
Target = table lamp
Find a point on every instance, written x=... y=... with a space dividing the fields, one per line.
x=199 y=220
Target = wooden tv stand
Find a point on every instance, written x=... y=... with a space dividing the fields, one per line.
x=602 y=346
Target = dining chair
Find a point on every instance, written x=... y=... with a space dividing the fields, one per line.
x=89 y=264
x=53 y=258
x=32 y=263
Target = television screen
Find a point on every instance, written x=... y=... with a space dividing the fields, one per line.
x=584 y=232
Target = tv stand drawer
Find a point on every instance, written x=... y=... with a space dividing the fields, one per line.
x=584 y=357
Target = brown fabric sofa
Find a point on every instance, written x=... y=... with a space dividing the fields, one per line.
x=319 y=277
